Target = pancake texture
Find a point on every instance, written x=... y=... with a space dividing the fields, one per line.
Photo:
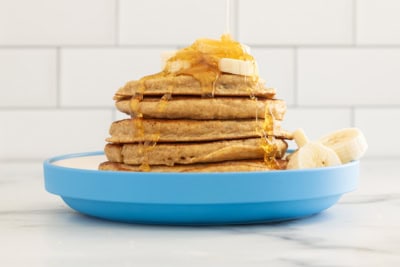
x=227 y=166
x=190 y=153
x=205 y=108
x=225 y=85
x=156 y=130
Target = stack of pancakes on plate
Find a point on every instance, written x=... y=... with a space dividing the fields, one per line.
x=179 y=123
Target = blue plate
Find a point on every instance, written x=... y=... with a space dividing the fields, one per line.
x=195 y=198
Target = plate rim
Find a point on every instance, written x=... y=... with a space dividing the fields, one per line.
x=50 y=162
x=233 y=180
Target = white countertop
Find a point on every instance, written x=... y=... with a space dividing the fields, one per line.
x=38 y=229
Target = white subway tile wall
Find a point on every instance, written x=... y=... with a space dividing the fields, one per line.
x=316 y=122
x=277 y=69
x=30 y=134
x=60 y=22
x=380 y=127
x=287 y=22
x=28 y=78
x=378 y=22
x=156 y=22
x=348 y=76
x=90 y=76
x=335 y=62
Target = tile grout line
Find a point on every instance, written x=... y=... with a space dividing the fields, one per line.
x=42 y=108
x=295 y=78
x=352 y=117
x=91 y=46
x=157 y=46
x=116 y=21
x=58 y=77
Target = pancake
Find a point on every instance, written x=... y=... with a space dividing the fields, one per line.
x=190 y=153
x=205 y=108
x=227 y=166
x=225 y=85
x=156 y=130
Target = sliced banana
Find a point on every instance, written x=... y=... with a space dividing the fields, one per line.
x=246 y=48
x=177 y=65
x=165 y=55
x=349 y=143
x=313 y=155
x=173 y=66
x=228 y=65
x=300 y=137
x=237 y=66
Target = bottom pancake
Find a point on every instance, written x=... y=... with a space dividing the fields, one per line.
x=190 y=153
x=227 y=166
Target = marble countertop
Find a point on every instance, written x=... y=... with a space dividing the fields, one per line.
x=38 y=229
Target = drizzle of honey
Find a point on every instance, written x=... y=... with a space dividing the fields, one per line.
x=138 y=127
x=145 y=167
x=144 y=148
x=268 y=140
x=134 y=106
x=164 y=100
x=203 y=57
x=139 y=133
x=138 y=97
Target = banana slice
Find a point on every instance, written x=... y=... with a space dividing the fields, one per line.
x=165 y=55
x=173 y=66
x=177 y=65
x=300 y=137
x=246 y=48
x=349 y=143
x=228 y=65
x=311 y=154
x=237 y=66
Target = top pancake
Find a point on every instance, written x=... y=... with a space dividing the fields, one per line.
x=225 y=85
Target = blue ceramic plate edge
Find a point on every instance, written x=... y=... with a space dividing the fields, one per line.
x=49 y=164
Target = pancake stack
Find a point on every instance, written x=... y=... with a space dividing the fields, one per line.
x=194 y=117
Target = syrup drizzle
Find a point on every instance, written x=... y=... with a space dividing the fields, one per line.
x=201 y=62
x=268 y=140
